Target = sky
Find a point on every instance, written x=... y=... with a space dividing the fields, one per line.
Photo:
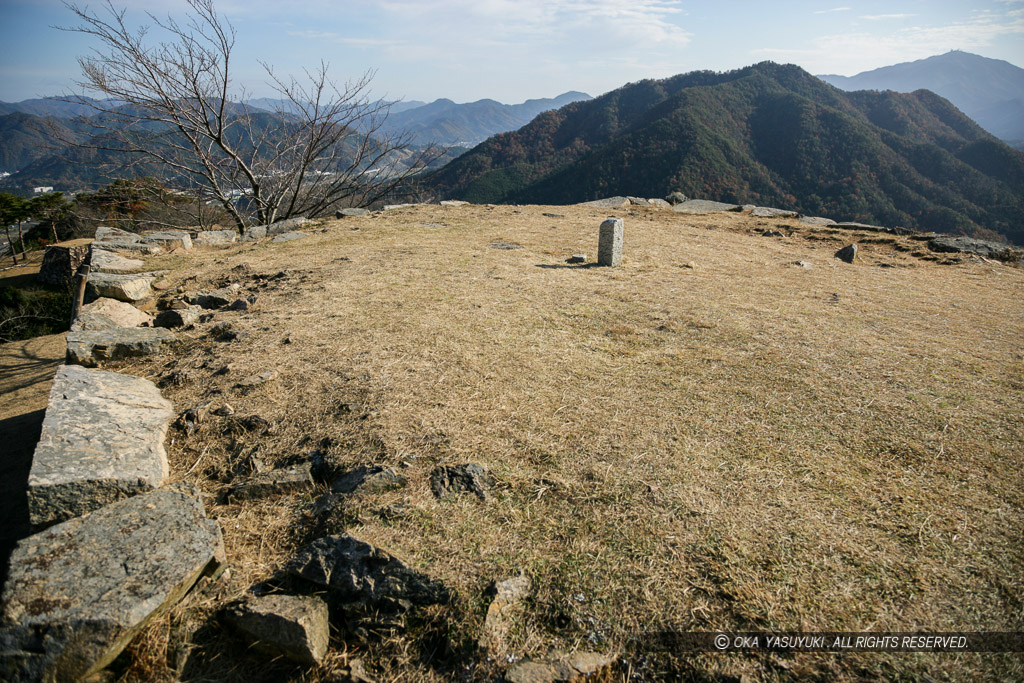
x=513 y=50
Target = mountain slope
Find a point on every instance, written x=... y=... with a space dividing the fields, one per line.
x=990 y=91
x=767 y=134
x=25 y=138
x=448 y=123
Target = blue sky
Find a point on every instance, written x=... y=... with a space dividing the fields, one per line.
x=511 y=50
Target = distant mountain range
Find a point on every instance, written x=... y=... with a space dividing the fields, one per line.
x=768 y=134
x=990 y=91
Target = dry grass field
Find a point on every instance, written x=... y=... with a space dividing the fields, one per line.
x=709 y=437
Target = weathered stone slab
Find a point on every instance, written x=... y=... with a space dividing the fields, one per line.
x=850 y=225
x=217 y=298
x=178 y=317
x=91 y=347
x=608 y=203
x=676 y=198
x=257 y=232
x=123 y=287
x=609 y=245
x=660 y=203
x=291 y=625
x=208 y=238
x=289 y=236
x=287 y=225
x=368 y=479
x=147 y=248
x=108 y=234
x=392 y=207
x=272 y=483
x=638 y=201
x=769 y=212
x=558 y=667
x=454 y=202
x=104 y=314
x=360 y=576
x=104 y=261
x=78 y=592
x=352 y=212
x=970 y=245
x=703 y=206
x=60 y=263
x=816 y=220
x=102 y=440
x=169 y=239
x=448 y=480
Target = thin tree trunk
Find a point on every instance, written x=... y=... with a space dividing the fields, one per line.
x=21 y=238
x=53 y=229
x=10 y=243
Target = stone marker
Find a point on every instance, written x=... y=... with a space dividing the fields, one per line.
x=363 y=577
x=102 y=440
x=558 y=667
x=123 y=287
x=208 y=238
x=91 y=347
x=291 y=625
x=78 y=592
x=609 y=246
x=104 y=261
x=847 y=253
x=60 y=263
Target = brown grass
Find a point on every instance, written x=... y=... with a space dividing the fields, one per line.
x=707 y=437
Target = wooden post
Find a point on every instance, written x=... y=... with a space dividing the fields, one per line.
x=81 y=277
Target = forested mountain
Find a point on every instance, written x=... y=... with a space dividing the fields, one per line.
x=768 y=134
x=25 y=138
x=990 y=91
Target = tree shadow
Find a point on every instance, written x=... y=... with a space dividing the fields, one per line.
x=19 y=434
x=573 y=266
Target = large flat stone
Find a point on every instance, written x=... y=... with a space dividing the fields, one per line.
x=107 y=234
x=215 y=237
x=104 y=261
x=90 y=347
x=148 y=248
x=104 y=314
x=703 y=206
x=79 y=592
x=292 y=625
x=130 y=288
x=102 y=440
x=169 y=239
x=608 y=203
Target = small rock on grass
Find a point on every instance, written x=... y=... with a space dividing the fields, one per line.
x=272 y=483
x=372 y=479
x=848 y=253
x=449 y=480
x=577 y=258
x=291 y=625
x=507 y=597
x=256 y=380
x=558 y=666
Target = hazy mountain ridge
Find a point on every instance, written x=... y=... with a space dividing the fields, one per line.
x=767 y=134
x=990 y=91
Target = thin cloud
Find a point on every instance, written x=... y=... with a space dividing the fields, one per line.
x=834 y=9
x=879 y=17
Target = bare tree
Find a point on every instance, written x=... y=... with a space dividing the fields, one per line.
x=180 y=117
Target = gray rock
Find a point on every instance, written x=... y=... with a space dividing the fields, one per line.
x=287 y=225
x=289 y=236
x=454 y=202
x=804 y=264
x=361 y=577
x=60 y=263
x=847 y=253
x=134 y=247
x=79 y=592
x=238 y=305
x=703 y=206
x=257 y=232
x=123 y=287
x=371 y=479
x=969 y=245
x=178 y=317
x=272 y=483
x=108 y=234
x=816 y=220
x=104 y=261
x=676 y=198
x=351 y=213
x=638 y=201
x=92 y=347
x=849 y=225
x=609 y=245
x=392 y=207
x=660 y=203
x=169 y=239
x=210 y=238
x=217 y=298
x=577 y=258
x=768 y=212
x=290 y=625
x=256 y=380
x=448 y=480
x=608 y=203
x=506 y=602
x=772 y=233
x=102 y=440
x=558 y=667
x=105 y=313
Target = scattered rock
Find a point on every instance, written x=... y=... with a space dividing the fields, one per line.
x=392 y=207
x=178 y=317
x=554 y=215
x=94 y=316
x=238 y=305
x=217 y=298
x=169 y=239
x=60 y=263
x=290 y=625
x=254 y=233
x=505 y=245
x=850 y=225
x=210 y=238
x=969 y=245
x=506 y=602
x=92 y=347
x=577 y=258
x=123 y=287
x=454 y=202
x=108 y=234
x=772 y=233
x=272 y=483
x=676 y=198
x=372 y=479
x=226 y=332
x=223 y=410
x=768 y=212
x=816 y=220
x=558 y=667
x=638 y=201
x=359 y=576
x=174 y=378
x=102 y=440
x=803 y=264
x=79 y=592
x=660 y=203
x=608 y=203
x=449 y=480
x=847 y=253
x=289 y=236
x=256 y=380
x=351 y=213
x=104 y=261
x=703 y=206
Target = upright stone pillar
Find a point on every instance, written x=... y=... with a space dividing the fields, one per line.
x=609 y=246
